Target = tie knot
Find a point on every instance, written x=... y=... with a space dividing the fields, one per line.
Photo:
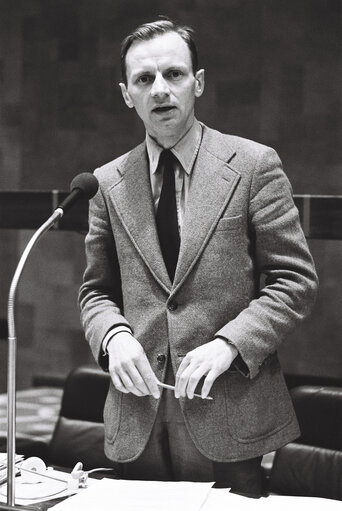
x=166 y=164
x=166 y=157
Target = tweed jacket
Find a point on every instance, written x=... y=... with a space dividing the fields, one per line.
x=244 y=272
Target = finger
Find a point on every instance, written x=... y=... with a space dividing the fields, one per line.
x=181 y=377
x=182 y=380
x=183 y=365
x=138 y=380
x=193 y=380
x=118 y=383
x=208 y=383
x=130 y=386
x=148 y=376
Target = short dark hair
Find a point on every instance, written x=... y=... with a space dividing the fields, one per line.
x=148 y=31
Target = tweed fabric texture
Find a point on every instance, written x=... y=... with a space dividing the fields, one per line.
x=240 y=223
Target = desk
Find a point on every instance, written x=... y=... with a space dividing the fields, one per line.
x=103 y=497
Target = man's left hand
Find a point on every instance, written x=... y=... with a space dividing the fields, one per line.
x=210 y=359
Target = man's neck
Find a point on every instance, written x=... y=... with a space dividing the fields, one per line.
x=169 y=141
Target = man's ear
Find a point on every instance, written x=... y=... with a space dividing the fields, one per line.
x=126 y=96
x=200 y=82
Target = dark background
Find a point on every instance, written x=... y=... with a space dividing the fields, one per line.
x=273 y=74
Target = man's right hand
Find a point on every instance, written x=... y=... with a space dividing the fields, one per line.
x=129 y=367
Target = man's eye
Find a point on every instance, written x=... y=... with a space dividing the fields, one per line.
x=144 y=79
x=175 y=75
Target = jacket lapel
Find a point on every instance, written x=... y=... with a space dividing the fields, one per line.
x=132 y=198
x=212 y=185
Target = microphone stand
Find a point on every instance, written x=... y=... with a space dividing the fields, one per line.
x=12 y=353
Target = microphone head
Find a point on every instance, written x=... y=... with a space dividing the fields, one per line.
x=86 y=183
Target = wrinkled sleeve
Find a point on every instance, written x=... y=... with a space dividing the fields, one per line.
x=284 y=260
x=100 y=296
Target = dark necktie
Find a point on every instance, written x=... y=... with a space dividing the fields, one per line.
x=167 y=222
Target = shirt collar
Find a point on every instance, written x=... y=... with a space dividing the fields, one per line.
x=185 y=150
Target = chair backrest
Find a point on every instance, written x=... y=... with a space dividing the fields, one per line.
x=79 y=432
x=312 y=466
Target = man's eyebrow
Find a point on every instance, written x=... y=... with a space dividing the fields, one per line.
x=172 y=67
x=142 y=71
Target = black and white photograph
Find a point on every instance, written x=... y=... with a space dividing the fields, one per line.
x=171 y=255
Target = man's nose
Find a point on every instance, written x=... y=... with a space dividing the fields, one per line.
x=160 y=87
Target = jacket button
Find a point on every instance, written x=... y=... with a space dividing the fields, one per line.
x=161 y=358
x=172 y=306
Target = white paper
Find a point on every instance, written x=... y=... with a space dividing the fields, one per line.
x=118 y=494
x=223 y=500
x=288 y=503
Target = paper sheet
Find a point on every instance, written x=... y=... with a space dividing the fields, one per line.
x=223 y=500
x=118 y=494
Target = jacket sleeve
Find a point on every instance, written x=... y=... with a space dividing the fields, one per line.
x=100 y=296
x=284 y=262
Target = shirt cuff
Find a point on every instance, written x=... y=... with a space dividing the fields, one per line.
x=109 y=335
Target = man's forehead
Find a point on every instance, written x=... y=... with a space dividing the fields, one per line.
x=162 y=48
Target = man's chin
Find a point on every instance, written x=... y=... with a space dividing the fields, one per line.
x=168 y=127
x=165 y=124
x=162 y=116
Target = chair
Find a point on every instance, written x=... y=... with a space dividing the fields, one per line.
x=312 y=466
x=79 y=432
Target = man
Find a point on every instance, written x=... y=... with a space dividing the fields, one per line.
x=172 y=288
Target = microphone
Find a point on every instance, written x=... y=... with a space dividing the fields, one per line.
x=84 y=185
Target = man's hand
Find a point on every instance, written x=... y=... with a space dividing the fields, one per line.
x=129 y=367
x=210 y=359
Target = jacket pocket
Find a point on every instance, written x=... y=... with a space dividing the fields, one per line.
x=112 y=413
x=229 y=223
x=258 y=407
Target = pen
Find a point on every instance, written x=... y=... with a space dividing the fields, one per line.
x=171 y=387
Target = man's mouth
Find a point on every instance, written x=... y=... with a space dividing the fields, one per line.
x=163 y=109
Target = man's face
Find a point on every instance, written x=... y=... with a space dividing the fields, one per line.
x=161 y=85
